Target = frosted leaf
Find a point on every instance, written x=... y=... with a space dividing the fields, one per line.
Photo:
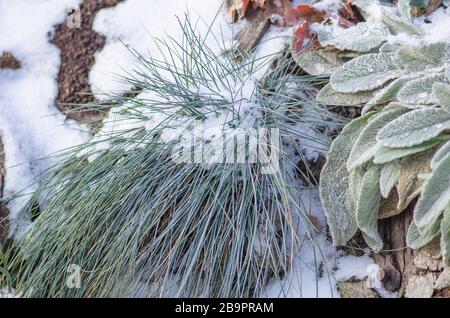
x=389 y=47
x=361 y=37
x=404 y=9
x=443 y=151
x=366 y=145
x=447 y=72
x=398 y=24
x=409 y=184
x=415 y=240
x=386 y=154
x=364 y=73
x=368 y=206
x=441 y=92
x=389 y=176
x=415 y=59
x=445 y=236
x=356 y=178
x=414 y=128
x=435 y=196
x=334 y=184
x=419 y=91
x=408 y=106
x=366 y=8
x=328 y=96
x=389 y=92
x=320 y=62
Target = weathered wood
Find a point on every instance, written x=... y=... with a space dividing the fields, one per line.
x=259 y=16
x=4 y=212
x=413 y=274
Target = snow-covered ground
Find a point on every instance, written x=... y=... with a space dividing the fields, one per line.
x=32 y=128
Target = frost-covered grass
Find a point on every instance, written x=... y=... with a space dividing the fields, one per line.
x=127 y=214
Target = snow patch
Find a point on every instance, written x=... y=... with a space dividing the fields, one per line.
x=30 y=125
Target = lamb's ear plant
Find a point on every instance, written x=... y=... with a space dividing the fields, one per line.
x=398 y=149
x=132 y=216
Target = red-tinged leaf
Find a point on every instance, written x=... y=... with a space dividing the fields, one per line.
x=244 y=7
x=301 y=34
x=345 y=23
x=347 y=10
x=301 y=13
x=259 y=3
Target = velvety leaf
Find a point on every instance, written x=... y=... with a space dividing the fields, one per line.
x=404 y=9
x=413 y=58
x=356 y=178
x=415 y=240
x=386 y=154
x=441 y=92
x=366 y=145
x=368 y=205
x=443 y=151
x=414 y=128
x=398 y=24
x=319 y=62
x=361 y=37
x=388 y=178
x=420 y=91
x=364 y=73
x=328 y=96
x=389 y=92
x=389 y=47
x=334 y=184
x=435 y=196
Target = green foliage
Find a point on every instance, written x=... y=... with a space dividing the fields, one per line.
x=402 y=150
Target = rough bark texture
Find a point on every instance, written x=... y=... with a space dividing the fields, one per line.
x=413 y=274
x=259 y=16
x=4 y=212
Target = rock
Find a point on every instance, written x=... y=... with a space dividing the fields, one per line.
x=356 y=288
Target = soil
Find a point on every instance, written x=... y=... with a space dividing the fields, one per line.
x=78 y=47
x=8 y=61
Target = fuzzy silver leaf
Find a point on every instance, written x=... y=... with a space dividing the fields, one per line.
x=414 y=128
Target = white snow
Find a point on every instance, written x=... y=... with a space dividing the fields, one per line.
x=30 y=125
x=317 y=265
x=439 y=29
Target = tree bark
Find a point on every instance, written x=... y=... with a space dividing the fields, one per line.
x=413 y=274
x=4 y=212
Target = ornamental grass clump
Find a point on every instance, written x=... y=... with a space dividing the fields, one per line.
x=398 y=149
x=153 y=207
